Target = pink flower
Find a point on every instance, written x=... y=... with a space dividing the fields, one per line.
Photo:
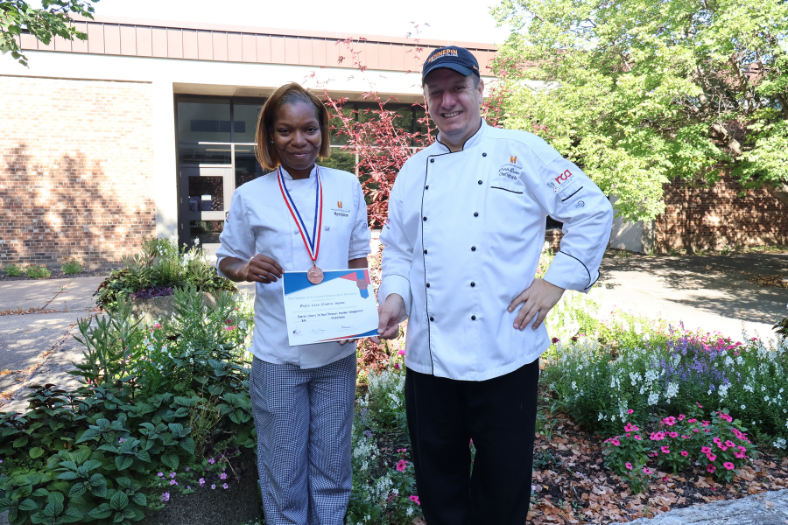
x=629 y=466
x=673 y=434
x=396 y=366
x=729 y=443
x=415 y=499
x=728 y=465
x=638 y=437
x=630 y=411
x=694 y=429
x=681 y=417
x=615 y=442
x=699 y=405
x=693 y=420
x=717 y=440
x=711 y=457
x=401 y=352
x=711 y=468
x=670 y=421
x=401 y=465
x=684 y=453
x=665 y=450
x=705 y=423
x=705 y=450
x=631 y=428
x=646 y=470
x=555 y=340
x=739 y=455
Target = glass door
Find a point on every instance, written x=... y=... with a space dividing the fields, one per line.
x=205 y=194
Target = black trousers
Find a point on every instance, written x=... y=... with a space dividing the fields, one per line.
x=499 y=415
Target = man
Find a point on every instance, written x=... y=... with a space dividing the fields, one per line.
x=462 y=243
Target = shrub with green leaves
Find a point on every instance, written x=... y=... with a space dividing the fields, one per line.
x=71 y=266
x=35 y=271
x=161 y=264
x=13 y=270
x=84 y=455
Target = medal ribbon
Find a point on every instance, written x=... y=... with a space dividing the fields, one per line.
x=312 y=243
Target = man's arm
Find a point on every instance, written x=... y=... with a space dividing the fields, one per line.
x=394 y=294
x=568 y=195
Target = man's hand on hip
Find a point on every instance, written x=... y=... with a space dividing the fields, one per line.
x=539 y=299
x=389 y=314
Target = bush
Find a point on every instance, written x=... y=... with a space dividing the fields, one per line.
x=38 y=272
x=160 y=266
x=153 y=400
x=71 y=266
x=13 y=270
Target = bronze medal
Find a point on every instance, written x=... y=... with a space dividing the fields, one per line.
x=315 y=275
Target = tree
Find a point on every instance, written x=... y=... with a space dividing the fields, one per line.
x=53 y=19
x=639 y=92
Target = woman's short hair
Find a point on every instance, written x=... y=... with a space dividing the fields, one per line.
x=266 y=152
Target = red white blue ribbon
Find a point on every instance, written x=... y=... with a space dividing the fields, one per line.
x=312 y=242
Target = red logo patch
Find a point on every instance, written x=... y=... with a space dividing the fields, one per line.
x=563 y=177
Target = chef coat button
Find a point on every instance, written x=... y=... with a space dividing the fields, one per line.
x=432 y=160
x=425 y=252
x=428 y=285
x=473 y=248
x=425 y=218
x=473 y=318
x=295 y=232
x=475 y=214
x=484 y=154
x=473 y=284
x=480 y=182
x=326 y=228
x=432 y=318
x=427 y=187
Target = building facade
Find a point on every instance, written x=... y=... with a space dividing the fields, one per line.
x=147 y=128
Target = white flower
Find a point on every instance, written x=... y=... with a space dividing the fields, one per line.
x=574 y=386
x=748 y=388
x=653 y=398
x=766 y=398
x=780 y=443
x=744 y=407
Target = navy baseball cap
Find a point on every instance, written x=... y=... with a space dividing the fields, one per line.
x=455 y=58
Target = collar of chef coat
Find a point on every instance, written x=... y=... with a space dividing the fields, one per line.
x=287 y=176
x=475 y=139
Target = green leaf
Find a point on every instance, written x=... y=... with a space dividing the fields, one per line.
x=73 y=515
x=20 y=442
x=96 y=480
x=77 y=490
x=119 y=501
x=68 y=475
x=36 y=452
x=188 y=445
x=28 y=505
x=101 y=512
x=100 y=491
x=123 y=462
x=41 y=492
x=171 y=460
x=140 y=499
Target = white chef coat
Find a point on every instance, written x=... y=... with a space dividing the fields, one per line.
x=260 y=222
x=463 y=238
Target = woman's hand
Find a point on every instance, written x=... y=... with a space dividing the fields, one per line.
x=261 y=269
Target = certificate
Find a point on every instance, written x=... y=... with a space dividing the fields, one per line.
x=339 y=307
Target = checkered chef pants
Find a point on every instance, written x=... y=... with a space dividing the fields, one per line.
x=303 y=419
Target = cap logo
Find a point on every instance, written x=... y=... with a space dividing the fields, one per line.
x=440 y=54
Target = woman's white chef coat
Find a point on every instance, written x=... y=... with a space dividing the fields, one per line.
x=260 y=222
x=463 y=238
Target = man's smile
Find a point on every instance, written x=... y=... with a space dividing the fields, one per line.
x=451 y=115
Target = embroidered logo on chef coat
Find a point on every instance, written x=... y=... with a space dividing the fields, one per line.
x=340 y=210
x=510 y=171
x=561 y=182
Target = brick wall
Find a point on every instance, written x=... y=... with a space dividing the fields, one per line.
x=717 y=217
x=76 y=170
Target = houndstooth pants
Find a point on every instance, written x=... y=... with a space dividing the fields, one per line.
x=303 y=419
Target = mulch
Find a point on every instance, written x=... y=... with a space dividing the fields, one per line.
x=572 y=486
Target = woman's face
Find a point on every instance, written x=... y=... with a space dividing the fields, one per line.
x=297 y=135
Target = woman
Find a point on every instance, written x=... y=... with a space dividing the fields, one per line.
x=302 y=396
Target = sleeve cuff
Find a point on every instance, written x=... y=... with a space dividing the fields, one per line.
x=570 y=273
x=398 y=285
x=219 y=270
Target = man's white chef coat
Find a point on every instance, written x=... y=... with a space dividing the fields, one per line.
x=260 y=222
x=463 y=238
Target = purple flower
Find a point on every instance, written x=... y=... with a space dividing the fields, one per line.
x=165 y=496
x=187 y=469
x=213 y=487
x=172 y=474
x=202 y=481
x=211 y=461
x=225 y=487
x=222 y=476
x=173 y=482
x=160 y=474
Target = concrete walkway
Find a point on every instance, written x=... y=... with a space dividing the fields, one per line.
x=769 y=508
x=710 y=292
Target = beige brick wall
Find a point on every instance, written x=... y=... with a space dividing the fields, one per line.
x=718 y=217
x=76 y=170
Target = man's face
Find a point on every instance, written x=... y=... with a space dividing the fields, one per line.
x=453 y=103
